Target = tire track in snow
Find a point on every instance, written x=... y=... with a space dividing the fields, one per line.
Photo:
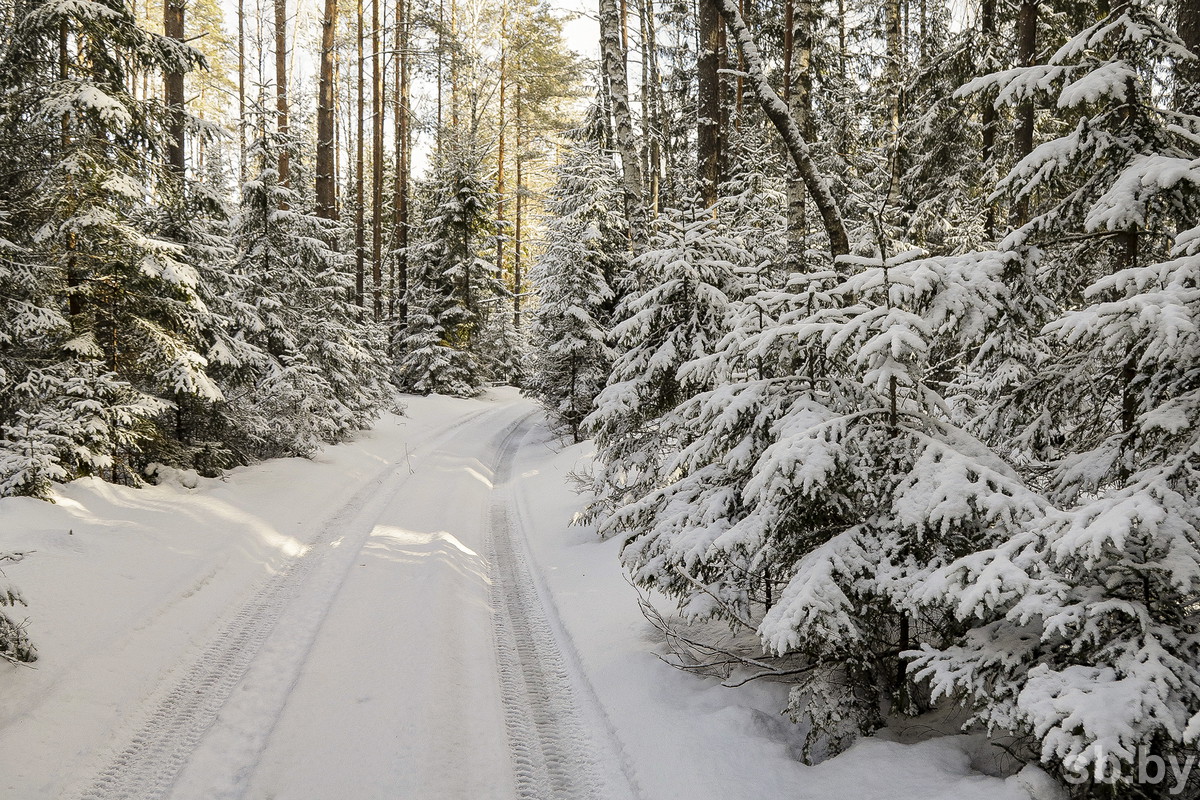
x=554 y=755
x=148 y=764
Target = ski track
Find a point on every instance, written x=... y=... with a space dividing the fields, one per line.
x=554 y=755
x=147 y=765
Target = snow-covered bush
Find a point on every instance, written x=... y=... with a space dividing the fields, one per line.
x=14 y=642
x=503 y=350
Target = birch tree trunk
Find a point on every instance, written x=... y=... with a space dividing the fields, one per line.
x=359 y=168
x=326 y=180
x=612 y=56
x=173 y=23
x=798 y=91
x=789 y=129
x=281 y=76
x=376 y=165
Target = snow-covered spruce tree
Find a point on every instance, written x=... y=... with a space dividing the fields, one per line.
x=821 y=478
x=430 y=363
x=1085 y=629
x=69 y=418
x=752 y=205
x=14 y=641
x=314 y=370
x=573 y=360
x=196 y=212
x=108 y=320
x=754 y=226
x=60 y=414
x=503 y=359
x=584 y=252
x=684 y=284
x=449 y=281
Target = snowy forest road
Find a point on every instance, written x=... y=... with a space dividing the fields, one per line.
x=404 y=616
x=406 y=653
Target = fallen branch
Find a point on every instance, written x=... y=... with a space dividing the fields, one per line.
x=706 y=658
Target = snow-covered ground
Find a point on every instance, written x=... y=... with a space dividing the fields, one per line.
x=406 y=616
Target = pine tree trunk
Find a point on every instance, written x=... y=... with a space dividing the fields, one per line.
x=441 y=69
x=146 y=72
x=708 y=112
x=500 y=154
x=893 y=80
x=359 y=169
x=398 y=308
x=173 y=28
x=724 y=99
x=574 y=420
x=241 y=44
x=783 y=120
x=454 y=66
x=651 y=102
x=841 y=19
x=1127 y=259
x=377 y=78
x=613 y=58
x=340 y=153
x=281 y=77
x=7 y=11
x=405 y=146
x=842 y=137
x=74 y=279
x=326 y=179
x=517 y=277
x=389 y=254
